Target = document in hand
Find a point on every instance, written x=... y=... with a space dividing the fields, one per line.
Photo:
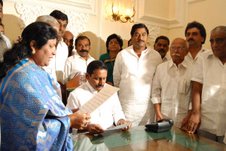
x=99 y=98
x=115 y=128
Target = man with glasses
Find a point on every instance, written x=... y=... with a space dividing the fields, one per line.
x=171 y=84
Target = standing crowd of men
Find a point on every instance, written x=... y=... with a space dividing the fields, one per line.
x=180 y=80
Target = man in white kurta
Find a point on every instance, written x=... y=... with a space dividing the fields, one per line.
x=77 y=64
x=171 y=84
x=133 y=73
x=195 y=34
x=209 y=87
x=107 y=114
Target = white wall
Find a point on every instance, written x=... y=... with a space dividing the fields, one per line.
x=167 y=17
x=210 y=13
x=85 y=16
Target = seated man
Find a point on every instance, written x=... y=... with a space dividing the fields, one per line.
x=110 y=112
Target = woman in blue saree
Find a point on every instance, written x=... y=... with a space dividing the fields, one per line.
x=32 y=114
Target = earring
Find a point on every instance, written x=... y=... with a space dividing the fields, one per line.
x=33 y=52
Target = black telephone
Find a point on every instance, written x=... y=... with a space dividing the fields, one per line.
x=160 y=126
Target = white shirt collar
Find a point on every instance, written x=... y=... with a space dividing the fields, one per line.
x=91 y=88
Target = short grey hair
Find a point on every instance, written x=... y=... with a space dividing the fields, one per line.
x=48 y=19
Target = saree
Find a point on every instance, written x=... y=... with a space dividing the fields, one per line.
x=32 y=114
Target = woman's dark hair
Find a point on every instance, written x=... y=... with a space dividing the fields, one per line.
x=114 y=36
x=39 y=32
x=94 y=65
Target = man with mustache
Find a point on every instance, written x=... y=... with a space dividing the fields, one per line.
x=133 y=72
x=195 y=34
x=208 y=90
x=171 y=84
x=77 y=63
x=107 y=113
x=162 y=46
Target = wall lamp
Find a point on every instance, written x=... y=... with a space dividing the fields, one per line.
x=123 y=11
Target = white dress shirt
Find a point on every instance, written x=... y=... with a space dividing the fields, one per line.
x=133 y=75
x=191 y=59
x=167 y=57
x=171 y=87
x=105 y=115
x=61 y=57
x=210 y=71
x=76 y=64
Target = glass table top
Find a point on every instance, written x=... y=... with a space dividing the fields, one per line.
x=138 y=139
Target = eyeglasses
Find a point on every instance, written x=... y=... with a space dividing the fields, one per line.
x=177 y=48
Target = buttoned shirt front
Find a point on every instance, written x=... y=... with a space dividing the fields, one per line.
x=211 y=73
x=105 y=115
x=76 y=64
x=171 y=87
x=133 y=75
x=191 y=59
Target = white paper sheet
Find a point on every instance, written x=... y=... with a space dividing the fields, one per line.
x=106 y=92
x=115 y=128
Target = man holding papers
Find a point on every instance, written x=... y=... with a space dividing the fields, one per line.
x=98 y=98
